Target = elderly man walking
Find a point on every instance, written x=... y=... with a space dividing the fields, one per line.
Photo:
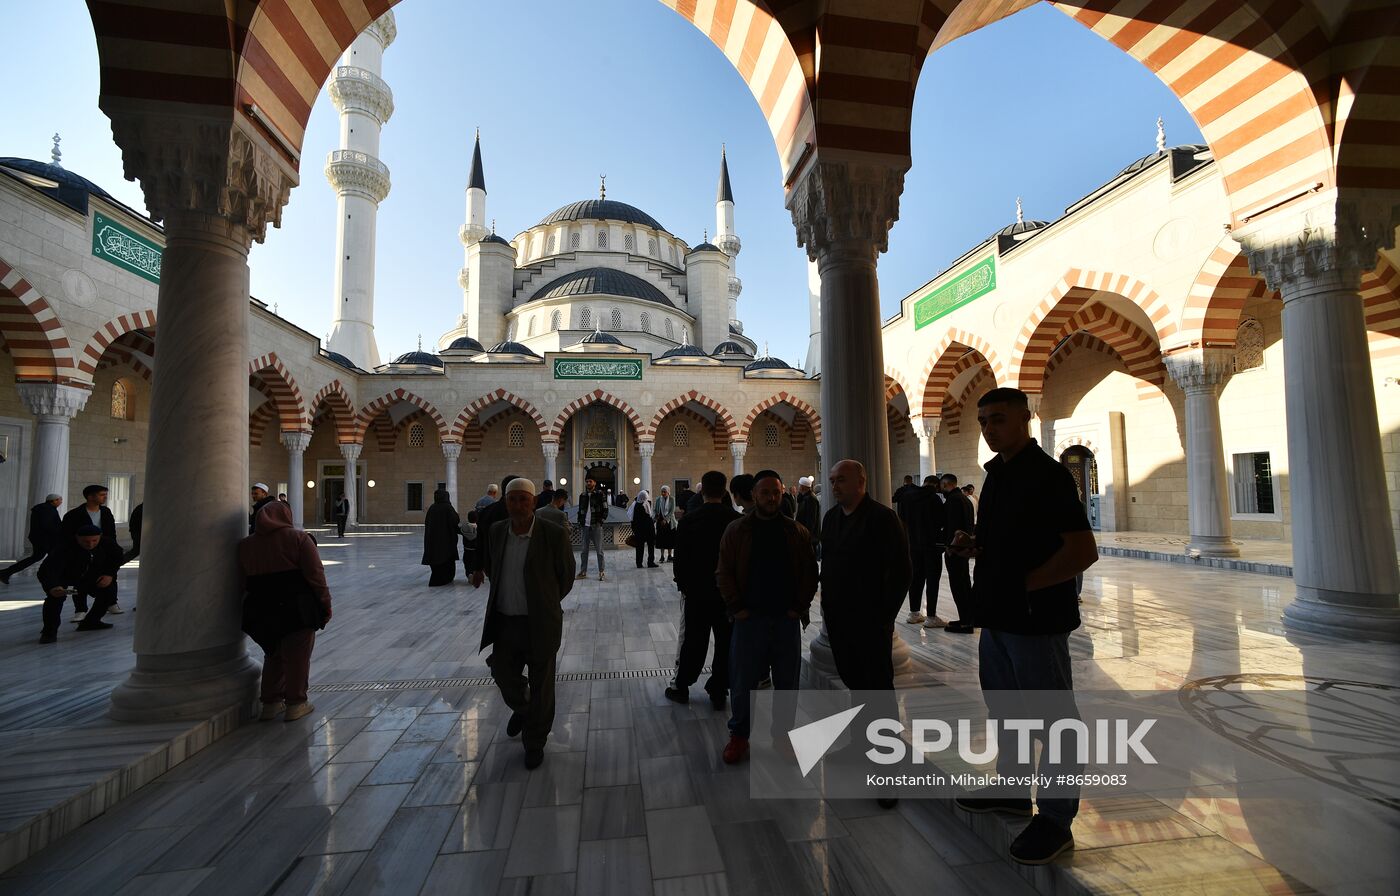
x=531 y=566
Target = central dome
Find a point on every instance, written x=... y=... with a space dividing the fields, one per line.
x=602 y=210
x=602 y=282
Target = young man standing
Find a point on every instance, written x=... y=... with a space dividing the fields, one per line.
x=92 y=512
x=592 y=513
x=697 y=555
x=959 y=519
x=1032 y=539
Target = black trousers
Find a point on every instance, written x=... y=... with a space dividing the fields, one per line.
x=36 y=554
x=102 y=598
x=512 y=651
x=649 y=545
x=340 y=522
x=701 y=616
x=861 y=646
x=442 y=573
x=925 y=566
x=960 y=583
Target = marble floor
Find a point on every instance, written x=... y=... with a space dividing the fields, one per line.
x=403 y=780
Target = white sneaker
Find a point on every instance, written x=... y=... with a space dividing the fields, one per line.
x=914 y=618
x=78 y=617
x=602 y=577
x=934 y=622
x=115 y=609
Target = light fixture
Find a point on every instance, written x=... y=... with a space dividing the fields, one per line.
x=311 y=483
x=636 y=481
x=370 y=484
x=563 y=482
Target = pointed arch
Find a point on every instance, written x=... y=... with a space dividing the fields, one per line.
x=723 y=419
x=783 y=398
x=110 y=332
x=333 y=398
x=369 y=412
x=33 y=333
x=943 y=367
x=1380 y=293
x=134 y=349
x=1131 y=343
x=466 y=421
x=270 y=376
x=258 y=420
x=598 y=396
x=1224 y=285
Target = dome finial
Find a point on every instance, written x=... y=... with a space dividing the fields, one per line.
x=706 y=235
x=420 y=342
x=1020 y=216
x=493 y=226
x=602 y=186
x=56 y=153
x=1161 y=135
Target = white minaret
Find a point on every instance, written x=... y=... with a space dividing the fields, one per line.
x=472 y=233
x=726 y=239
x=361 y=182
x=813 y=364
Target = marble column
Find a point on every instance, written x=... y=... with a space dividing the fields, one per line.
x=736 y=451
x=1344 y=567
x=54 y=408
x=215 y=184
x=295 y=443
x=351 y=454
x=551 y=455
x=450 y=452
x=646 y=450
x=843 y=211
x=926 y=430
x=1200 y=372
x=1043 y=435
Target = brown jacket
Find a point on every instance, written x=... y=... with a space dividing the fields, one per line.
x=275 y=546
x=735 y=549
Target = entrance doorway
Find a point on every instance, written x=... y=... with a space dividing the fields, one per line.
x=605 y=476
x=330 y=482
x=1085 y=470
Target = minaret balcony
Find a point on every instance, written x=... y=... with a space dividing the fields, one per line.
x=350 y=170
x=471 y=234
x=358 y=89
x=728 y=243
x=736 y=286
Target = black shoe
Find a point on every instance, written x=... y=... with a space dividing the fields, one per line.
x=90 y=625
x=717 y=701
x=48 y=638
x=516 y=724
x=1041 y=842
x=887 y=802
x=1009 y=805
x=677 y=695
x=958 y=627
x=534 y=758
x=653 y=566
x=4 y=579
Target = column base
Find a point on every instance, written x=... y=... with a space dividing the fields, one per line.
x=1212 y=546
x=1355 y=623
x=180 y=686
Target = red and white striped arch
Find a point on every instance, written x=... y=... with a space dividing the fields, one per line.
x=258 y=420
x=1080 y=341
x=270 y=376
x=470 y=413
x=943 y=368
x=813 y=418
x=725 y=420
x=1211 y=315
x=111 y=331
x=333 y=399
x=640 y=431
x=136 y=350
x=374 y=409
x=33 y=333
x=1380 y=293
x=1136 y=347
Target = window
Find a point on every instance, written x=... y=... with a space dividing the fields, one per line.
x=602 y=239
x=646 y=322
x=586 y=318
x=550 y=244
x=531 y=330
x=574 y=241
x=770 y=436
x=415 y=435
x=121 y=401
x=555 y=318
x=670 y=330
x=1254 y=483
x=413 y=497
x=628 y=243
x=119 y=496
x=680 y=436
x=617 y=318
x=515 y=436
x=651 y=247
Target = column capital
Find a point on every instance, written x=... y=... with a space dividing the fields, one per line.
x=1325 y=235
x=451 y=450
x=1200 y=368
x=1033 y=402
x=296 y=441
x=846 y=204
x=737 y=448
x=925 y=428
x=350 y=451
x=646 y=449
x=550 y=449
x=53 y=400
x=219 y=166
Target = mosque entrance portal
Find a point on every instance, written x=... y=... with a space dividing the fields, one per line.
x=1085 y=470
x=605 y=476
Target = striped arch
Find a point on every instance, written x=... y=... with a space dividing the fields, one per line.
x=1080 y=341
x=1219 y=293
x=1366 y=49
x=899 y=424
x=719 y=437
x=1046 y=325
x=1135 y=347
x=385 y=436
x=111 y=331
x=954 y=405
x=723 y=419
x=1380 y=293
x=802 y=407
x=467 y=419
x=369 y=412
x=257 y=422
x=943 y=367
x=270 y=376
x=33 y=333
x=333 y=399
x=894 y=384
x=639 y=429
x=801 y=429
x=136 y=350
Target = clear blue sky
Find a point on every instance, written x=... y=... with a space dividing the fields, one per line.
x=1035 y=106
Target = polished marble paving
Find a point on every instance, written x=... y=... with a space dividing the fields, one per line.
x=415 y=788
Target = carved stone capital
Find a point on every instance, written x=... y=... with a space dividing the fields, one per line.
x=737 y=449
x=205 y=165
x=836 y=202
x=1200 y=368
x=53 y=400
x=350 y=451
x=646 y=449
x=361 y=90
x=351 y=171
x=1328 y=236
x=296 y=442
x=384 y=29
x=1033 y=402
x=451 y=450
x=550 y=449
x=925 y=428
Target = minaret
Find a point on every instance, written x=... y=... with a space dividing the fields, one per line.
x=726 y=239
x=471 y=233
x=813 y=364
x=361 y=182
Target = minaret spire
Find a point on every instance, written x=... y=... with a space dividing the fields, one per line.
x=477 y=179
x=725 y=192
x=602 y=186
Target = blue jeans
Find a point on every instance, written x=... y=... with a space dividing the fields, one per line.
x=758 y=644
x=593 y=533
x=1008 y=662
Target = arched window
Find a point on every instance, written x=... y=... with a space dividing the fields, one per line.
x=121 y=401
x=602 y=239
x=680 y=436
x=416 y=435
x=550 y=245
x=646 y=322
x=670 y=330
x=586 y=319
x=628 y=243
x=575 y=240
x=770 y=435
x=651 y=247
x=617 y=318
x=515 y=436
x=555 y=318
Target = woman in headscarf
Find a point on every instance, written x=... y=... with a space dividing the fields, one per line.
x=469 y=543
x=286 y=601
x=440 y=530
x=643 y=528
x=664 y=512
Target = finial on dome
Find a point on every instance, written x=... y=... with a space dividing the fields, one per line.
x=685 y=335
x=765 y=349
x=493 y=226
x=56 y=153
x=420 y=342
x=1020 y=216
x=602 y=186
x=706 y=237
x=1161 y=135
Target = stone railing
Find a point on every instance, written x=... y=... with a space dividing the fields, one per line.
x=350 y=169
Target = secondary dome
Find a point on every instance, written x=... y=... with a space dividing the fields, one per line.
x=72 y=189
x=731 y=348
x=602 y=282
x=1148 y=161
x=768 y=364
x=598 y=337
x=601 y=210
x=511 y=348
x=465 y=344
x=423 y=358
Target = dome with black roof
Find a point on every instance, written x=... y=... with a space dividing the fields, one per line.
x=598 y=337
x=601 y=210
x=340 y=359
x=1148 y=161
x=706 y=246
x=683 y=351
x=511 y=348
x=466 y=344
x=495 y=238
x=767 y=363
x=602 y=282
x=421 y=358
x=730 y=347
x=69 y=189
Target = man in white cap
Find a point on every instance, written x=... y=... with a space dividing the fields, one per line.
x=531 y=567
x=809 y=511
x=261 y=498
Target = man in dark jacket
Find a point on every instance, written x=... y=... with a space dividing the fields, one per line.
x=767 y=575
x=45 y=528
x=697 y=556
x=486 y=518
x=92 y=512
x=261 y=496
x=926 y=526
x=341 y=513
x=959 y=519
x=88 y=563
x=133 y=527
x=592 y=513
x=546 y=495
x=440 y=530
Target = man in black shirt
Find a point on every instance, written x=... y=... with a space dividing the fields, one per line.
x=87 y=563
x=45 y=529
x=925 y=522
x=546 y=495
x=1032 y=539
x=697 y=556
x=959 y=518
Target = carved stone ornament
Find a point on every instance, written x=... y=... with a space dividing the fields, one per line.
x=52 y=400
x=1200 y=368
x=203 y=164
x=1249 y=345
x=361 y=90
x=350 y=451
x=352 y=171
x=296 y=442
x=384 y=28
x=845 y=202
x=1326 y=236
x=452 y=450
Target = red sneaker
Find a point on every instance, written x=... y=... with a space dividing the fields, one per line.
x=737 y=750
